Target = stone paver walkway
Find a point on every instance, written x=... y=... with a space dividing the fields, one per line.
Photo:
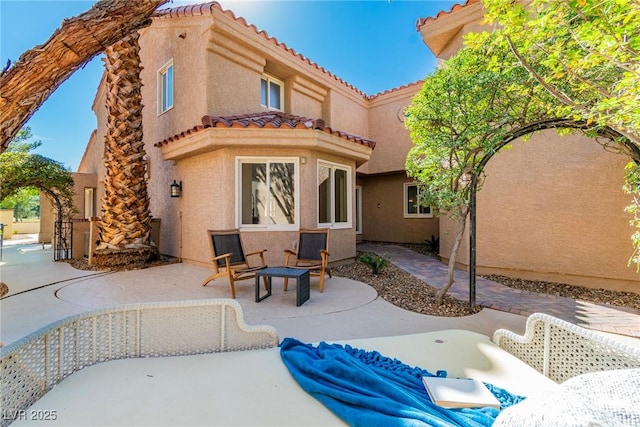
x=606 y=318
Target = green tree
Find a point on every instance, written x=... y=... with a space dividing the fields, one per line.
x=25 y=203
x=20 y=169
x=464 y=111
x=586 y=54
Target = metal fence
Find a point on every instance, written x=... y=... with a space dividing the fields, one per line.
x=62 y=240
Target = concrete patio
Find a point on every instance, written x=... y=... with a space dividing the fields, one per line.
x=43 y=291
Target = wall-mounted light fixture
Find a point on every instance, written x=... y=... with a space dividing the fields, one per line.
x=176 y=189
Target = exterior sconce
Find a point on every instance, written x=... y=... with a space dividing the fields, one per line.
x=176 y=189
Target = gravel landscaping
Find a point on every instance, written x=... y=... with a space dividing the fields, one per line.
x=403 y=290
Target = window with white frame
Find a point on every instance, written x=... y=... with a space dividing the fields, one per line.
x=268 y=193
x=412 y=207
x=334 y=195
x=271 y=93
x=165 y=87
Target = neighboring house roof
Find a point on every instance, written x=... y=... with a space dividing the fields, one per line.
x=441 y=32
x=270 y=119
x=208 y=8
x=454 y=8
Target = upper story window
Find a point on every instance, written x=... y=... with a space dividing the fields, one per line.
x=271 y=93
x=412 y=208
x=334 y=195
x=268 y=193
x=165 y=87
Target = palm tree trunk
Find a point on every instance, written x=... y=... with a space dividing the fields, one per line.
x=125 y=225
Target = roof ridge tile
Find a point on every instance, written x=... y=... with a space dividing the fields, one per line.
x=268 y=119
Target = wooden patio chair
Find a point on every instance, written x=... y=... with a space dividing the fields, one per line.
x=312 y=254
x=229 y=259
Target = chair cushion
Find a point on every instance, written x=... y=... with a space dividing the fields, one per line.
x=607 y=398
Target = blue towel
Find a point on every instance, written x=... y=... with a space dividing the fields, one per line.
x=365 y=388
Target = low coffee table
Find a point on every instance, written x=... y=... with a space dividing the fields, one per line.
x=301 y=276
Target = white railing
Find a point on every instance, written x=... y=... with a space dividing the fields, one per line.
x=561 y=350
x=34 y=364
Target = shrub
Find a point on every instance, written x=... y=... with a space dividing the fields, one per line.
x=376 y=262
x=433 y=245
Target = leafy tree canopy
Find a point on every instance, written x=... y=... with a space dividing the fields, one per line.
x=585 y=53
x=21 y=169
x=25 y=203
x=465 y=111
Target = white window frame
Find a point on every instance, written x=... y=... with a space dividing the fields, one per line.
x=406 y=202
x=270 y=79
x=240 y=160
x=350 y=190
x=358 y=194
x=89 y=202
x=162 y=72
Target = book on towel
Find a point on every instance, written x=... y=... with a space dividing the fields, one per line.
x=459 y=393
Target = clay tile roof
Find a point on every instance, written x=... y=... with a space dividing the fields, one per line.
x=395 y=89
x=272 y=120
x=454 y=8
x=207 y=9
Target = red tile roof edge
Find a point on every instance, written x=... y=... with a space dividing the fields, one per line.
x=395 y=89
x=275 y=120
x=456 y=7
x=207 y=9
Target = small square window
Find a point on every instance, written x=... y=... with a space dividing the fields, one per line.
x=271 y=93
x=165 y=87
x=412 y=206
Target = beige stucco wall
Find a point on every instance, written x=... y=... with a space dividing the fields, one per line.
x=47 y=217
x=208 y=202
x=383 y=212
x=6 y=218
x=48 y=213
x=553 y=209
x=387 y=127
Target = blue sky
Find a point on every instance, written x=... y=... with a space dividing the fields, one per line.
x=372 y=45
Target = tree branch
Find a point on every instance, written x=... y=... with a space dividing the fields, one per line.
x=41 y=70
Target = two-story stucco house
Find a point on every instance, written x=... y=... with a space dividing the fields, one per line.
x=263 y=140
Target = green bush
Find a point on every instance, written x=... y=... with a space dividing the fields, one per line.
x=433 y=245
x=376 y=262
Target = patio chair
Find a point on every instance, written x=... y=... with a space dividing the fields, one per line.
x=312 y=254
x=229 y=259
